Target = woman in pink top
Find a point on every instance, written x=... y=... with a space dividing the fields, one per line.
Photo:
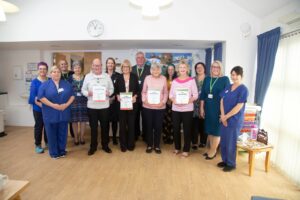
x=154 y=97
x=182 y=94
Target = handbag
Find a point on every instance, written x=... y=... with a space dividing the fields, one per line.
x=262 y=136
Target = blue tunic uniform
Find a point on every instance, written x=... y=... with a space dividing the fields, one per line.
x=56 y=121
x=230 y=133
x=210 y=94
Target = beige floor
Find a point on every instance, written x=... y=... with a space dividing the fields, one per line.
x=132 y=175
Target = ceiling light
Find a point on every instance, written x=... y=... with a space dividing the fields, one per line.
x=150 y=8
x=8 y=7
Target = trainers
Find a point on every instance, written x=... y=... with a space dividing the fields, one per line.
x=39 y=149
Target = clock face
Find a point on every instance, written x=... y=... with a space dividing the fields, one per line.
x=95 y=28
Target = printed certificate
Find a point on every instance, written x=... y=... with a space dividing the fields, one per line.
x=153 y=96
x=99 y=93
x=182 y=95
x=126 y=101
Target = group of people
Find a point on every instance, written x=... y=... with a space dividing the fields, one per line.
x=167 y=100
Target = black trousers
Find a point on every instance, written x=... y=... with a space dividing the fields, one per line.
x=38 y=128
x=114 y=118
x=95 y=116
x=154 y=121
x=71 y=130
x=127 y=129
x=139 y=114
x=198 y=128
x=186 y=119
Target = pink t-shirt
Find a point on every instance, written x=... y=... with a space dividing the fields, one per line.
x=152 y=83
x=189 y=84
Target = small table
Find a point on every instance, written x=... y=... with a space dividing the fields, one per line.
x=253 y=147
x=12 y=189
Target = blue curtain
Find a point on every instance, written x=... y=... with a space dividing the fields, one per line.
x=218 y=50
x=266 y=53
x=208 y=60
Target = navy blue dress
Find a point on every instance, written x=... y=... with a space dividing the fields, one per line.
x=212 y=105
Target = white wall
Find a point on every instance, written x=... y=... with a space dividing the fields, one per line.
x=271 y=21
x=52 y=20
x=17 y=111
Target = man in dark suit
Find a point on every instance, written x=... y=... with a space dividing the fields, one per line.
x=141 y=69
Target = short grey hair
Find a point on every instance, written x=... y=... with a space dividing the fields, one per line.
x=76 y=63
x=155 y=65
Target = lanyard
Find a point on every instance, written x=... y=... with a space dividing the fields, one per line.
x=211 y=85
x=79 y=85
x=137 y=71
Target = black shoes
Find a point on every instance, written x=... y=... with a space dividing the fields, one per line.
x=221 y=164
x=123 y=149
x=157 y=150
x=228 y=168
x=82 y=142
x=202 y=145
x=91 y=152
x=107 y=150
x=210 y=158
x=205 y=154
x=195 y=147
x=149 y=150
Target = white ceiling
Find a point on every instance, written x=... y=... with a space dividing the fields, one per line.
x=262 y=8
x=107 y=45
x=259 y=8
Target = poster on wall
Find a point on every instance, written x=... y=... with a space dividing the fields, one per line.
x=31 y=73
x=167 y=58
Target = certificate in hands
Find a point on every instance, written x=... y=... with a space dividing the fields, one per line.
x=126 y=101
x=182 y=95
x=99 y=93
x=153 y=96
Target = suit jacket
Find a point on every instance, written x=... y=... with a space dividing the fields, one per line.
x=142 y=77
x=133 y=86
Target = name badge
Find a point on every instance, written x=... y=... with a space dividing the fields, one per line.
x=210 y=96
x=140 y=82
x=60 y=90
x=78 y=94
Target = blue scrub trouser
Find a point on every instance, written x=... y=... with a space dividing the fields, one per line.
x=57 y=134
x=229 y=137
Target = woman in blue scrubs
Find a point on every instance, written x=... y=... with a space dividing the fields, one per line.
x=233 y=100
x=56 y=96
x=37 y=107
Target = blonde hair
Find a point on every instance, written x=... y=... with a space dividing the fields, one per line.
x=126 y=62
x=220 y=65
x=54 y=67
x=183 y=62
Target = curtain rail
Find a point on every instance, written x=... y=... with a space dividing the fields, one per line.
x=290 y=34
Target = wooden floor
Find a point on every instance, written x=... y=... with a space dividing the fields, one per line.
x=132 y=175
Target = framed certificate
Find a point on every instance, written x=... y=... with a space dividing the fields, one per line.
x=182 y=95
x=126 y=101
x=99 y=93
x=153 y=96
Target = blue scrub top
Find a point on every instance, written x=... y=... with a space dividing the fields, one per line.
x=230 y=100
x=58 y=96
x=34 y=88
